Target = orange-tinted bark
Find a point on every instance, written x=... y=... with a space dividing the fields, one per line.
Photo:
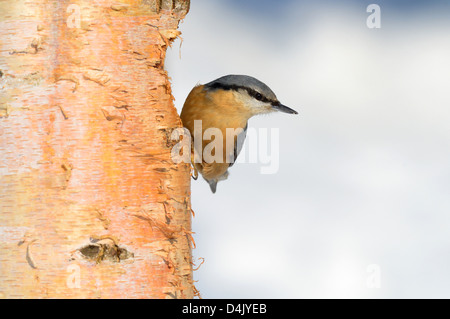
x=91 y=204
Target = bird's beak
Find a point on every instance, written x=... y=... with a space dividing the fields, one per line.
x=283 y=108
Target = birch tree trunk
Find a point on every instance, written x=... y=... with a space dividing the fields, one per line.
x=91 y=204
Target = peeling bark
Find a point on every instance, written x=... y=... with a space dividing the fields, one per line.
x=91 y=204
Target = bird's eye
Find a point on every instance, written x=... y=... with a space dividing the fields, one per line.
x=258 y=96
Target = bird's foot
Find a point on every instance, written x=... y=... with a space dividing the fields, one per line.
x=194 y=173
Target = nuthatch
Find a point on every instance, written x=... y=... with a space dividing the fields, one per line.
x=228 y=102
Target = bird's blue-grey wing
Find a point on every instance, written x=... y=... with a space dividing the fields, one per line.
x=239 y=143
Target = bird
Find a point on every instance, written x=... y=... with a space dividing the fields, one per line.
x=225 y=103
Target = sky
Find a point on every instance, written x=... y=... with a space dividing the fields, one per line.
x=359 y=206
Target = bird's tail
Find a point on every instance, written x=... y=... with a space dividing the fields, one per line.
x=213 y=185
x=213 y=182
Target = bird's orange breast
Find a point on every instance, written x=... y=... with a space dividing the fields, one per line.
x=216 y=109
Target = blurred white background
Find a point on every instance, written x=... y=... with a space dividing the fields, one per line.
x=364 y=175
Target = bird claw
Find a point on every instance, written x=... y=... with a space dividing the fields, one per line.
x=194 y=173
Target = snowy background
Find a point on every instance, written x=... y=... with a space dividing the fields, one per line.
x=360 y=205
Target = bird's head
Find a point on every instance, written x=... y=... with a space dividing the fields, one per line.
x=252 y=94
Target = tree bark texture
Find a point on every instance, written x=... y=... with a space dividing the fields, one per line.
x=91 y=204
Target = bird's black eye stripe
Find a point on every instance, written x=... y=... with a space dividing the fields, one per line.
x=255 y=94
x=220 y=86
x=258 y=96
